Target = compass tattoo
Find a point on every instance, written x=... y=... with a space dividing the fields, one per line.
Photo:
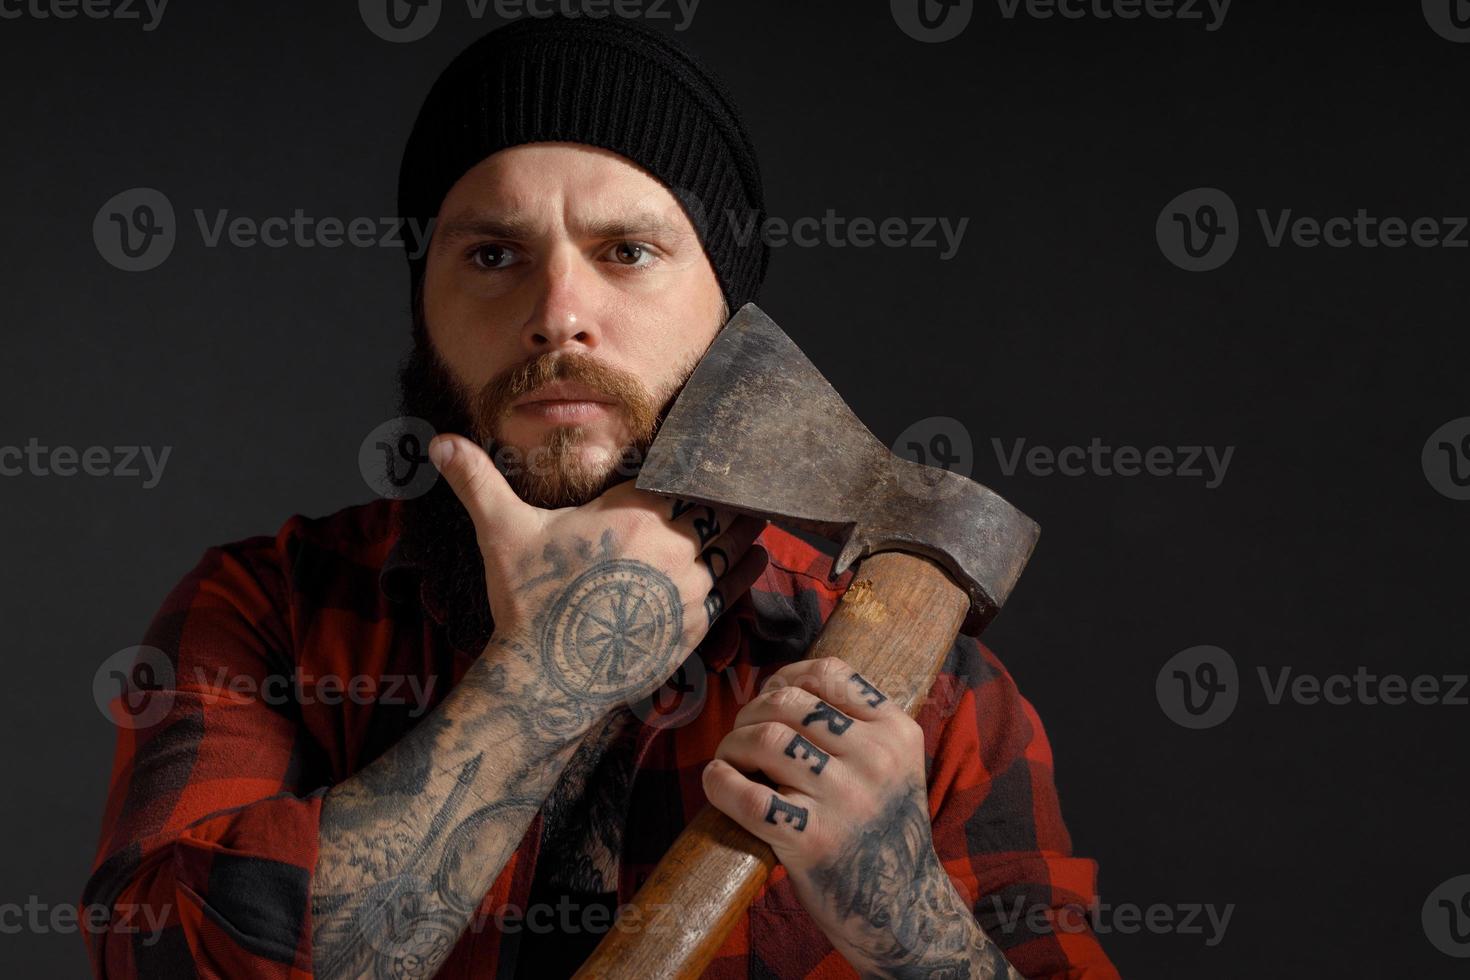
x=617 y=613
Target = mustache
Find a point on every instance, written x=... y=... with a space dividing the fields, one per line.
x=494 y=401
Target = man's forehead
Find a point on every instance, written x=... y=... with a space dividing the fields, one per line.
x=532 y=187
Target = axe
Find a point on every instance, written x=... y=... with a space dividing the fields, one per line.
x=759 y=430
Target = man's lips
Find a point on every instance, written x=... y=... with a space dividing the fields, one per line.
x=562 y=392
x=564 y=402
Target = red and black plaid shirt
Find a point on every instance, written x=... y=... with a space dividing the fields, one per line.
x=212 y=816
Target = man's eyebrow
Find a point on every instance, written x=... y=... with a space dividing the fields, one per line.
x=632 y=225
x=517 y=226
x=512 y=225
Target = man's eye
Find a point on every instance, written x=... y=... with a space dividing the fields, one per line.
x=491 y=256
x=630 y=253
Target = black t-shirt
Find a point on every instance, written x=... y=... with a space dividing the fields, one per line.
x=559 y=933
x=562 y=926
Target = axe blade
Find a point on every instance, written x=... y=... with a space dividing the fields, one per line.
x=758 y=429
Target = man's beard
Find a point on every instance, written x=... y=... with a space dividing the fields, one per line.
x=437 y=533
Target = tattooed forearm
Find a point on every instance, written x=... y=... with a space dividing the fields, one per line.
x=410 y=844
x=900 y=913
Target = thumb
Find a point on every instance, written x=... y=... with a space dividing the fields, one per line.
x=493 y=506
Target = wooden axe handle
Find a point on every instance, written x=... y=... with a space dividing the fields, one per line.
x=894 y=625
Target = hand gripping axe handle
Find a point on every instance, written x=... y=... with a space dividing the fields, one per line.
x=758 y=429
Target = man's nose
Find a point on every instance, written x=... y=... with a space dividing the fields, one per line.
x=564 y=317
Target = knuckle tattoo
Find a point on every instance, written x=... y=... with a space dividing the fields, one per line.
x=780 y=812
x=837 y=722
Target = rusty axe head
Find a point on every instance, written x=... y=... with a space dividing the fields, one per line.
x=758 y=429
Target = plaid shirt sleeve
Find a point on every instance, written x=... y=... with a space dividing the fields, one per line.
x=997 y=824
x=210 y=832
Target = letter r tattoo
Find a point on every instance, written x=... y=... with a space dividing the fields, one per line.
x=837 y=722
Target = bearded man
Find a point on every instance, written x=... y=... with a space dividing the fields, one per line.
x=583 y=181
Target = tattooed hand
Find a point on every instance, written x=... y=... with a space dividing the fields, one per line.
x=609 y=598
x=849 y=818
x=593 y=606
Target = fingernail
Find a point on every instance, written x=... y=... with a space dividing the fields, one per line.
x=441 y=451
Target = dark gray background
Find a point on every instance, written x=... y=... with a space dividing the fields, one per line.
x=1325 y=548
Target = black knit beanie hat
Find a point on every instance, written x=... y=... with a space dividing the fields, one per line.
x=606 y=83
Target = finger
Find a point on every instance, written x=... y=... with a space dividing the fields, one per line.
x=736 y=582
x=820 y=723
x=778 y=818
x=834 y=681
x=700 y=523
x=786 y=757
x=727 y=549
x=491 y=503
